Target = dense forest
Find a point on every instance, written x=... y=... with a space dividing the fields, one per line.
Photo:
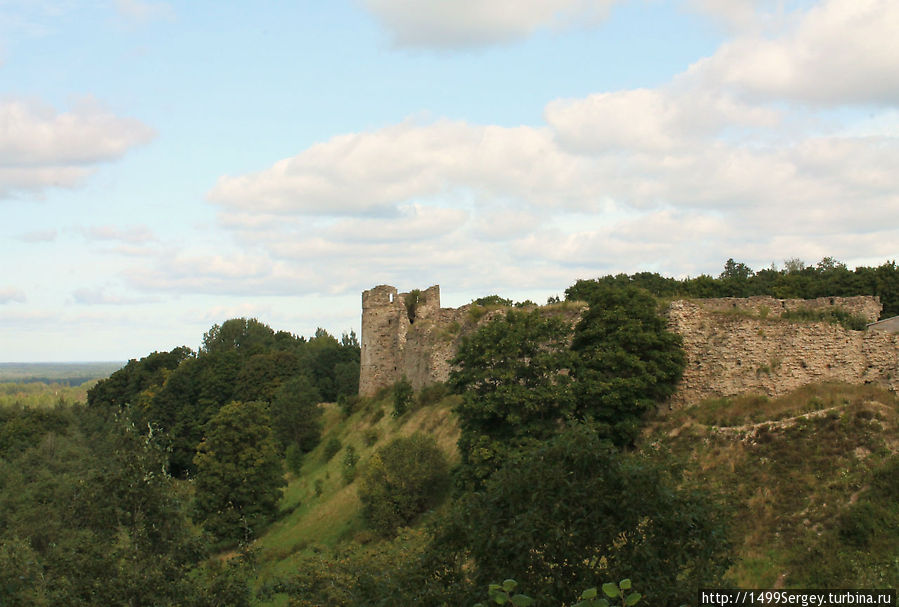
x=165 y=486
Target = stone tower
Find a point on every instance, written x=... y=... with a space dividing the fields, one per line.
x=387 y=317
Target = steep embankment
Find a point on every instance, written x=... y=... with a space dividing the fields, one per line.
x=811 y=479
x=320 y=508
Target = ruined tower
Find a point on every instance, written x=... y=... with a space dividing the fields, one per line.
x=387 y=317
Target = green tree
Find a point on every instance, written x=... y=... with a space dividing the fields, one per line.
x=401 y=480
x=572 y=513
x=239 y=473
x=247 y=336
x=626 y=360
x=126 y=385
x=513 y=389
x=296 y=414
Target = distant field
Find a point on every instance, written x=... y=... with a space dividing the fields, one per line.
x=70 y=374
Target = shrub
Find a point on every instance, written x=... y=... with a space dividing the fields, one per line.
x=377 y=415
x=432 y=394
x=294 y=456
x=370 y=436
x=402 y=397
x=350 y=459
x=348 y=403
x=401 y=480
x=331 y=448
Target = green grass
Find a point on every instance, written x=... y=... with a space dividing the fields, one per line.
x=312 y=524
x=797 y=473
x=809 y=479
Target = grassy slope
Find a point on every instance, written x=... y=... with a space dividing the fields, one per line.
x=311 y=524
x=792 y=471
x=807 y=478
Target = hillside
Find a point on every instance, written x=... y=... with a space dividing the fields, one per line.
x=809 y=478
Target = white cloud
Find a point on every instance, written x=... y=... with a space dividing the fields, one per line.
x=39 y=236
x=472 y=23
x=376 y=172
x=140 y=11
x=139 y=234
x=42 y=148
x=101 y=296
x=650 y=119
x=11 y=295
x=839 y=51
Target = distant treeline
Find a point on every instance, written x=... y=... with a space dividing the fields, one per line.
x=69 y=374
x=827 y=278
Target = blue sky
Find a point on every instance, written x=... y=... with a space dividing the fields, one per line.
x=169 y=165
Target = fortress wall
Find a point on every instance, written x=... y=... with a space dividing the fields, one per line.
x=727 y=353
x=732 y=354
x=868 y=308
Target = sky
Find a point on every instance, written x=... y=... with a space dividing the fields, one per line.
x=165 y=166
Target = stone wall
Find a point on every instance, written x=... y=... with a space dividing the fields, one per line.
x=732 y=345
x=729 y=354
x=866 y=307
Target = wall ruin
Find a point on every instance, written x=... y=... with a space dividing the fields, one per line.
x=729 y=354
x=732 y=345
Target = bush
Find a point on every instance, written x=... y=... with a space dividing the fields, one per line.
x=331 y=448
x=294 y=457
x=348 y=403
x=433 y=394
x=572 y=513
x=401 y=480
x=370 y=436
x=350 y=459
x=402 y=397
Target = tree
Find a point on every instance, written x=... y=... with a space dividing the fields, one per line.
x=239 y=474
x=127 y=385
x=245 y=335
x=296 y=414
x=402 y=479
x=514 y=390
x=626 y=360
x=573 y=513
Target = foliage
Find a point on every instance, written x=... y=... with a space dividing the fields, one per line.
x=88 y=516
x=296 y=414
x=401 y=480
x=411 y=301
x=331 y=448
x=402 y=397
x=370 y=436
x=239 y=475
x=126 y=385
x=502 y=594
x=512 y=390
x=389 y=572
x=493 y=301
x=348 y=404
x=348 y=465
x=246 y=336
x=293 y=458
x=572 y=513
x=835 y=316
x=432 y=394
x=626 y=361
x=827 y=278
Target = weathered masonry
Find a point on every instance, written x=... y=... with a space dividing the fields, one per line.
x=732 y=345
